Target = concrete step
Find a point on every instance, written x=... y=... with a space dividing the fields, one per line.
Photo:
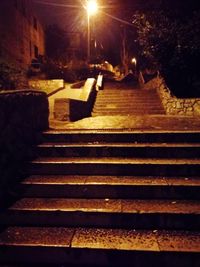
x=123 y=187
x=110 y=213
x=54 y=246
x=121 y=136
x=125 y=108
x=125 y=97
x=161 y=150
x=128 y=102
x=127 y=112
x=115 y=166
x=87 y=203
x=122 y=92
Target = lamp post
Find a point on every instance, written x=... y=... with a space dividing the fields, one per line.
x=92 y=8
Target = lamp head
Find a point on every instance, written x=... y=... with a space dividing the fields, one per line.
x=92 y=7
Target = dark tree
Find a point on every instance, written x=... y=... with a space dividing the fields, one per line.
x=168 y=35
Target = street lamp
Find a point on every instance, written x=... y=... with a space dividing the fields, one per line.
x=134 y=61
x=92 y=8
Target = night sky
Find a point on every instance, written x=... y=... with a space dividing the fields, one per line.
x=107 y=24
x=71 y=14
x=72 y=17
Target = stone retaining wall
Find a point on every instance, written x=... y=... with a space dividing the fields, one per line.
x=23 y=115
x=78 y=102
x=174 y=105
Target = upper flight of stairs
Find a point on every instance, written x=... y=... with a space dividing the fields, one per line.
x=127 y=101
x=107 y=199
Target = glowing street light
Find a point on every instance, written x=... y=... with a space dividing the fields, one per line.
x=134 y=61
x=92 y=8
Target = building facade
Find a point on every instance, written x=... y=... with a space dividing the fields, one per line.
x=21 y=34
x=75 y=49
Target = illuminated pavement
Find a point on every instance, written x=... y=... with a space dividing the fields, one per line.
x=139 y=122
x=131 y=123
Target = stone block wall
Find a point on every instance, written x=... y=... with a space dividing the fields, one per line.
x=23 y=115
x=174 y=105
x=47 y=85
x=22 y=35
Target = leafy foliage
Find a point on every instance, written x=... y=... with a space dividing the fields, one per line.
x=7 y=80
x=171 y=42
x=12 y=76
x=71 y=72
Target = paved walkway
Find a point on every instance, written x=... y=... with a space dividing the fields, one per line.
x=131 y=123
x=128 y=122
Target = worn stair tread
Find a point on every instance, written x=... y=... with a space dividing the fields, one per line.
x=108 y=205
x=130 y=103
x=124 y=107
x=109 y=187
x=138 y=132
x=129 y=100
x=37 y=236
x=122 y=91
x=116 y=160
x=118 y=145
x=110 y=180
x=124 y=112
x=124 y=95
x=140 y=105
x=102 y=239
x=111 y=113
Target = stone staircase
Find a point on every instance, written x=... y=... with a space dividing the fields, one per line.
x=120 y=100
x=115 y=198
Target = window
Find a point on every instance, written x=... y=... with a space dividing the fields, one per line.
x=30 y=47
x=35 y=23
x=16 y=3
x=23 y=9
x=36 y=51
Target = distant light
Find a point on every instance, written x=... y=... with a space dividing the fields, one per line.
x=92 y=7
x=134 y=60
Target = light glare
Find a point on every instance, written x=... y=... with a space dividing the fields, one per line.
x=134 y=61
x=92 y=7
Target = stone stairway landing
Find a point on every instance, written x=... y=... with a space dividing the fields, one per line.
x=127 y=101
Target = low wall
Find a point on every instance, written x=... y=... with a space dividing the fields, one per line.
x=23 y=115
x=78 y=102
x=174 y=105
x=46 y=85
